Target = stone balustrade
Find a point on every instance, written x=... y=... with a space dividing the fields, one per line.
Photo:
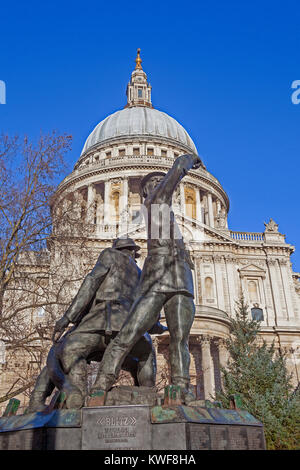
x=247 y=236
x=112 y=162
x=109 y=230
x=116 y=161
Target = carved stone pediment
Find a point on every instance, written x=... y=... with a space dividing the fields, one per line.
x=252 y=270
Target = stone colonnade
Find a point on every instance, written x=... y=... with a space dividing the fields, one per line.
x=207 y=354
x=199 y=204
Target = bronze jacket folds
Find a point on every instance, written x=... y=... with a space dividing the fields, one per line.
x=106 y=294
x=167 y=267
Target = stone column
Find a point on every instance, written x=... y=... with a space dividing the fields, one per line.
x=223 y=356
x=192 y=371
x=210 y=210
x=205 y=209
x=107 y=186
x=99 y=210
x=231 y=284
x=223 y=353
x=78 y=203
x=123 y=204
x=90 y=204
x=208 y=369
x=272 y=265
x=2 y=353
x=283 y=267
x=218 y=260
x=198 y=206
x=182 y=199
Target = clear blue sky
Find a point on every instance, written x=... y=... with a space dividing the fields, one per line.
x=223 y=69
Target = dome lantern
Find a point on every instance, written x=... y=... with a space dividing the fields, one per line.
x=138 y=89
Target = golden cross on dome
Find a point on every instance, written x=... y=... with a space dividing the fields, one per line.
x=138 y=60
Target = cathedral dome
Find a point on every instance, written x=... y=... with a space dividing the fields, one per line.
x=139 y=121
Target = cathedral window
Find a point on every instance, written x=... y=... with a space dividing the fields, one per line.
x=122 y=153
x=140 y=93
x=163 y=153
x=136 y=151
x=108 y=154
x=253 y=292
x=257 y=314
x=150 y=151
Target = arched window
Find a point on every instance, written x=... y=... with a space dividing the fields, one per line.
x=253 y=293
x=208 y=285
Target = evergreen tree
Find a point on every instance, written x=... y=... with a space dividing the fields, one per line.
x=258 y=373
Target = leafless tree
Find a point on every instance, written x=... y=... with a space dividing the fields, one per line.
x=28 y=178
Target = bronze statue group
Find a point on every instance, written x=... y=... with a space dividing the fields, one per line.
x=118 y=306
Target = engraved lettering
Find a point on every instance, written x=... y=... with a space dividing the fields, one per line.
x=117 y=421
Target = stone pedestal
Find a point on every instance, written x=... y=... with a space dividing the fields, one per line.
x=58 y=430
x=126 y=427
x=134 y=427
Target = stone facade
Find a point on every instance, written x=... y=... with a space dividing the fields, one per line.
x=103 y=190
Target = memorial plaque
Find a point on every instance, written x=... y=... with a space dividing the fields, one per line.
x=116 y=428
x=29 y=439
x=169 y=436
x=198 y=437
x=237 y=438
x=219 y=437
x=63 y=439
x=256 y=439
